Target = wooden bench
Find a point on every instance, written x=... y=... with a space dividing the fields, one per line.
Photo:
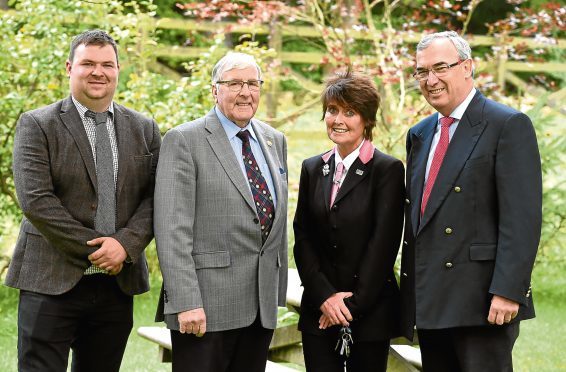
x=285 y=344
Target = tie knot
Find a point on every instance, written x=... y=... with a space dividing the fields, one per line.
x=446 y=121
x=99 y=117
x=339 y=171
x=244 y=135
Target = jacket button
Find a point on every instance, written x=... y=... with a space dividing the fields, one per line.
x=334 y=246
x=334 y=207
x=405 y=275
x=448 y=231
x=256 y=221
x=407 y=201
x=334 y=227
x=93 y=207
x=448 y=265
x=457 y=189
x=405 y=242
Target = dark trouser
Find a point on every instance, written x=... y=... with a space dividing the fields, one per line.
x=235 y=350
x=94 y=319
x=320 y=355
x=469 y=349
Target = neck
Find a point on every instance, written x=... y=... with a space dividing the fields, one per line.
x=347 y=150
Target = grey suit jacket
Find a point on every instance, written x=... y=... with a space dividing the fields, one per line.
x=207 y=232
x=55 y=178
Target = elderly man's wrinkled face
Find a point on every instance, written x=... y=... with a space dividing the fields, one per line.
x=446 y=92
x=238 y=106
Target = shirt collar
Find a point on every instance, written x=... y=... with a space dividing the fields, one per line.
x=365 y=152
x=231 y=128
x=461 y=108
x=82 y=109
x=349 y=159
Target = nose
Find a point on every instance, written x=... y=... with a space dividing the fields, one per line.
x=431 y=79
x=96 y=70
x=245 y=91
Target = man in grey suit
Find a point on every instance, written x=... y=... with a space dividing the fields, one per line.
x=84 y=170
x=221 y=228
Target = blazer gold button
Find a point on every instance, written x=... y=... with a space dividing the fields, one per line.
x=448 y=265
x=407 y=201
x=448 y=231
x=457 y=189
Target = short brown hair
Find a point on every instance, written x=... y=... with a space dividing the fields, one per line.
x=355 y=91
x=92 y=37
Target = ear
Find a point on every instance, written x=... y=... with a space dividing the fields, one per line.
x=215 y=93
x=469 y=68
x=68 y=67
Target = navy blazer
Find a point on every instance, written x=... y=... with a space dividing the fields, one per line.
x=481 y=228
x=351 y=246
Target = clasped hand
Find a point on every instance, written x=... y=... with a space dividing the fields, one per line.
x=502 y=310
x=335 y=311
x=110 y=256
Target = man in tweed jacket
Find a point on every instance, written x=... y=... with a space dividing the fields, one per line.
x=223 y=274
x=76 y=282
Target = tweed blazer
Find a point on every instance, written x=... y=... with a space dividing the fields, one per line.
x=480 y=231
x=207 y=232
x=55 y=178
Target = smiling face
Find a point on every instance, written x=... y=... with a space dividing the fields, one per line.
x=345 y=127
x=93 y=75
x=447 y=92
x=240 y=106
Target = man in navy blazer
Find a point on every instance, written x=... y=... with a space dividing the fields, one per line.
x=473 y=217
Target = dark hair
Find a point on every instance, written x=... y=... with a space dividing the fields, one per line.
x=355 y=91
x=92 y=37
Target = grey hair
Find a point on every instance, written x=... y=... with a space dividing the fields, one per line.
x=462 y=46
x=233 y=60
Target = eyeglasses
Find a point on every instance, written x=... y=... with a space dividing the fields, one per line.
x=238 y=85
x=439 y=70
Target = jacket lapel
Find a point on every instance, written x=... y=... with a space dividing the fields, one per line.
x=421 y=141
x=357 y=172
x=223 y=150
x=125 y=146
x=463 y=142
x=72 y=120
x=326 y=175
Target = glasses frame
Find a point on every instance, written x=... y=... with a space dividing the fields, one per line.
x=242 y=82
x=429 y=70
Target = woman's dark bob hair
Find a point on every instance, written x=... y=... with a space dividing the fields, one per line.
x=355 y=91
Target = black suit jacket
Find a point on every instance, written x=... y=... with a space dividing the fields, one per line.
x=55 y=178
x=351 y=246
x=481 y=228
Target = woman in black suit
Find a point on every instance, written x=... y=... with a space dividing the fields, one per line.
x=346 y=244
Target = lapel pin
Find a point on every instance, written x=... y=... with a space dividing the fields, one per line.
x=325 y=170
x=359 y=172
x=269 y=143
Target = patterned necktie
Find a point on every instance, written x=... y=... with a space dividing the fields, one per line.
x=262 y=197
x=437 y=159
x=336 y=182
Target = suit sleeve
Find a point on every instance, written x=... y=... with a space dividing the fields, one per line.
x=306 y=257
x=174 y=214
x=519 y=193
x=138 y=232
x=377 y=265
x=37 y=198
